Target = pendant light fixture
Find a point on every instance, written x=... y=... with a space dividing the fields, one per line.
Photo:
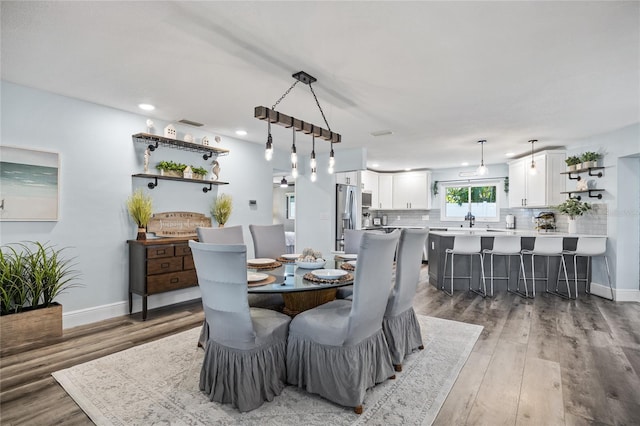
x=532 y=169
x=313 y=163
x=482 y=169
x=273 y=116
x=284 y=183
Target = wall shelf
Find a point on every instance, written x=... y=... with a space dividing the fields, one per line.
x=587 y=170
x=591 y=192
x=208 y=183
x=154 y=141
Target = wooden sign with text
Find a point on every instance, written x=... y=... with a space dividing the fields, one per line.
x=177 y=224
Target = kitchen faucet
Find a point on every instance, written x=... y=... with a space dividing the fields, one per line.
x=471 y=218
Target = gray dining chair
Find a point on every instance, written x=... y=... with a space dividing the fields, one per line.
x=352 y=239
x=338 y=350
x=245 y=355
x=268 y=240
x=400 y=325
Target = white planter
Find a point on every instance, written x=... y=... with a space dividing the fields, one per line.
x=571 y=168
x=572 y=226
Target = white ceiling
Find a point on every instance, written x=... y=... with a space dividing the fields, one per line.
x=440 y=75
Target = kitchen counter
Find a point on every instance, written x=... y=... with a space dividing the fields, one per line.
x=490 y=232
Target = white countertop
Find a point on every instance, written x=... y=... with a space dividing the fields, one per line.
x=484 y=232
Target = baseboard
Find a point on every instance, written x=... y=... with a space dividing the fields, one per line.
x=117 y=309
x=620 y=295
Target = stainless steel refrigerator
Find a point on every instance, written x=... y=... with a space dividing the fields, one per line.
x=346 y=211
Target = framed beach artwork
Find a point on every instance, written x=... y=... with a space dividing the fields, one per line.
x=29 y=183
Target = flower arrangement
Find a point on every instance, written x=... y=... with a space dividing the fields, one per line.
x=573 y=208
x=221 y=208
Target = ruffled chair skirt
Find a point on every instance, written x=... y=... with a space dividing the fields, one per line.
x=329 y=370
x=244 y=379
x=403 y=334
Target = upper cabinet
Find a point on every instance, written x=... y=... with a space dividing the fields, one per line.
x=348 y=178
x=385 y=190
x=542 y=189
x=411 y=190
x=369 y=183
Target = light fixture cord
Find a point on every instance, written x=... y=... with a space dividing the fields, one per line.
x=285 y=94
x=319 y=107
x=482 y=151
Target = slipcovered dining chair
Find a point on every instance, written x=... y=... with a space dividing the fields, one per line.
x=268 y=240
x=227 y=235
x=245 y=355
x=400 y=325
x=338 y=350
x=352 y=239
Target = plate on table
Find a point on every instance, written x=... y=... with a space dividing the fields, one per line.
x=260 y=261
x=291 y=256
x=256 y=276
x=319 y=263
x=329 y=274
x=348 y=256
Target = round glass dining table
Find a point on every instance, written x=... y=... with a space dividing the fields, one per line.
x=298 y=293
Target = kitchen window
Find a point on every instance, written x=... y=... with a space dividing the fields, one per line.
x=479 y=199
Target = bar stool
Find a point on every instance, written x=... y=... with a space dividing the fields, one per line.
x=507 y=245
x=589 y=247
x=548 y=247
x=468 y=245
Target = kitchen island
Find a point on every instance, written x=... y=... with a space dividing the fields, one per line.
x=441 y=240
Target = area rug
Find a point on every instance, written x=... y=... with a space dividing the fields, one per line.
x=157 y=383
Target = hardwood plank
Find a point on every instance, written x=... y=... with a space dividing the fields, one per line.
x=543 y=337
x=541 y=394
x=497 y=400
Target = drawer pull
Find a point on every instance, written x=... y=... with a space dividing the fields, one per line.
x=165 y=265
x=161 y=251
x=174 y=280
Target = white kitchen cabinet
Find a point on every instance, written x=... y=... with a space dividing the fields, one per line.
x=542 y=189
x=348 y=178
x=385 y=190
x=369 y=183
x=411 y=190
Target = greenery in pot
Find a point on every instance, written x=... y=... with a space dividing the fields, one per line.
x=221 y=208
x=140 y=208
x=199 y=171
x=573 y=160
x=591 y=158
x=171 y=166
x=573 y=208
x=32 y=275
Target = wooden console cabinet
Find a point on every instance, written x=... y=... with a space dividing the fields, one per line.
x=157 y=266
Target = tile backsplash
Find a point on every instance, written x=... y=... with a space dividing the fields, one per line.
x=594 y=222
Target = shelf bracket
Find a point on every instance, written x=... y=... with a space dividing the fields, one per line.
x=153 y=147
x=577 y=197
x=205 y=189
x=574 y=178
x=599 y=174
x=598 y=196
x=152 y=185
x=207 y=155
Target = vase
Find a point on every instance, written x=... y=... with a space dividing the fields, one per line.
x=221 y=225
x=142 y=234
x=572 y=226
x=30 y=325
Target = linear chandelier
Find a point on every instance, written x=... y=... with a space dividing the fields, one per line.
x=276 y=117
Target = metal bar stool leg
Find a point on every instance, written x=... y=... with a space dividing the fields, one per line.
x=444 y=269
x=606 y=262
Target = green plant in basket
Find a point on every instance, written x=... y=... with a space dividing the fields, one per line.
x=589 y=156
x=221 y=208
x=573 y=208
x=199 y=171
x=573 y=160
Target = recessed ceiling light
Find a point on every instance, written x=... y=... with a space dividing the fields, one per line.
x=381 y=132
x=408 y=169
x=146 y=107
x=464 y=164
x=375 y=165
x=510 y=154
x=241 y=132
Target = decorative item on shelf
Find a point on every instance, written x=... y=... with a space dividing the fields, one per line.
x=170 y=131
x=187 y=173
x=215 y=170
x=188 y=138
x=34 y=274
x=170 y=168
x=482 y=169
x=221 y=209
x=217 y=139
x=140 y=208
x=589 y=159
x=149 y=126
x=147 y=155
x=205 y=141
x=177 y=224
x=573 y=208
x=572 y=162
x=545 y=221
x=199 y=172
x=273 y=116
x=581 y=185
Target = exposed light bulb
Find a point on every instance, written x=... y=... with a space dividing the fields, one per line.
x=294 y=171
x=533 y=170
x=314 y=175
x=294 y=156
x=482 y=170
x=268 y=153
x=330 y=169
x=313 y=163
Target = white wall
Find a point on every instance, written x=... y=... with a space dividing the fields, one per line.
x=97 y=159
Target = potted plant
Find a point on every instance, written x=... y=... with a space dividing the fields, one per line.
x=221 y=209
x=32 y=275
x=589 y=159
x=573 y=208
x=199 y=172
x=171 y=168
x=140 y=208
x=572 y=162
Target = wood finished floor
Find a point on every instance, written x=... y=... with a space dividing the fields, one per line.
x=546 y=361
